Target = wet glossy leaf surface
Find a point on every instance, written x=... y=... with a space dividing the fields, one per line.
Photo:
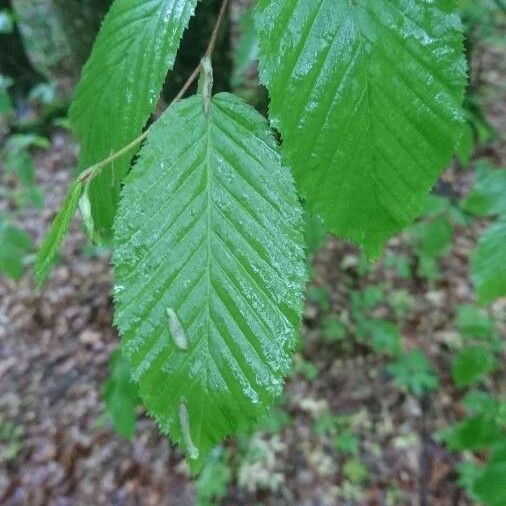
x=367 y=96
x=119 y=89
x=209 y=267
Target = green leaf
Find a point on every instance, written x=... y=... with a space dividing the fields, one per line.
x=466 y=145
x=488 y=263
x=473 y=323
x=471 y=364
x=432 y=238
x=475 y=433
x=314 y=231
x=246 y=51
x=209 y=266
x=213 y=482
x=120 y=395
x=436 y=205
x=18 y=159
x=367 y=96
x=414 y=372
x=489 y=487
x=346 y=442
x=477 y=401
x=56 y=233
x=333 y=329
x=15 y=244
x=6 y=106
x=320 y=296
x=119 y=89
x=487 y=195
x=355 y=471
x=468 y=472
x=385 y=337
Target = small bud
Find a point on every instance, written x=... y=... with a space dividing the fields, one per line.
x=176 y=329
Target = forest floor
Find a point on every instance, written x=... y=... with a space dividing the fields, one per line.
x=55 y=345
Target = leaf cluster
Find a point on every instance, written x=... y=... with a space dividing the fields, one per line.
x=207 y=227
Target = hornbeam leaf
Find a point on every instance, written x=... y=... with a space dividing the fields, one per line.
x=209 y=268
x=119 y=89
x=488 y=263
x=367 y=96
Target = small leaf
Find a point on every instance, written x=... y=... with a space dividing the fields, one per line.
x=14 y=245
x=56 y=233
x=385 y=336
x=490 y=485
x=355 y=471
x=476 y=401
x=488 y=263
x=333 y=329
x=368 y=98
x=213 y=482
x=471 y=364
x=473 y=323
x=120 y=395
x=475 y=433
x=209 y=265
x=414 y=372
x=468 y=472
x=432 y=238
x=487 y=195
x=119 y=89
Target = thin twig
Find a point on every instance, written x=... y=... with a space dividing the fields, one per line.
x=216 y=30
x=94 y=169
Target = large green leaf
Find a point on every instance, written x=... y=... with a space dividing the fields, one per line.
x=488 y=263
x=119 y=89
x=367 y=96
x=209 y=267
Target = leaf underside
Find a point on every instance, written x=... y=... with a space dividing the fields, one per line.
x=209 y=268
x=488 y=263
x=119 y=89
x=367 y=96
